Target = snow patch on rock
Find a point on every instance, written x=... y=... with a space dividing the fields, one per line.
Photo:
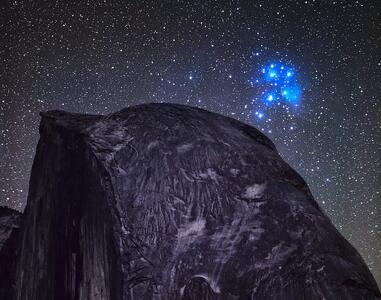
x=210 y=173
x=152 y=145
x=184 y=148
x=234 y=172
x=192 y=228
x=254 y=191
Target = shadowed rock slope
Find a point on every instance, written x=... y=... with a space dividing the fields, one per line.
x=163 y=201
x=9 y=233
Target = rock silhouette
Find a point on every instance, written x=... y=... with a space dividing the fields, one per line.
x=164 y=201
x=9 y=232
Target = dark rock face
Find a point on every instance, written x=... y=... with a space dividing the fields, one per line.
x=165 y=201
x=9 y=232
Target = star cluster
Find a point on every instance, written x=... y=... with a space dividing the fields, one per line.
x=283 y=85
x=306 y=73
x=280 y=87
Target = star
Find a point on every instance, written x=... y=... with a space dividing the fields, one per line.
x=273 y=65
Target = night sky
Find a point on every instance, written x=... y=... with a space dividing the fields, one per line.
x=306 y=73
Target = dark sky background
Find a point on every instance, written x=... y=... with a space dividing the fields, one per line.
x=101 y=56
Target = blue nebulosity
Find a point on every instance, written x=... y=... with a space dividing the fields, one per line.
x=291 y=93
x=280 y=84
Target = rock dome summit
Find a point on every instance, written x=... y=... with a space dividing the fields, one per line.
x=165 y=201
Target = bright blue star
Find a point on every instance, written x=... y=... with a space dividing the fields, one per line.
x=270 y=97
x=259 y=114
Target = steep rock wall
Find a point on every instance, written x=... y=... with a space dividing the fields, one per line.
x=165 y=201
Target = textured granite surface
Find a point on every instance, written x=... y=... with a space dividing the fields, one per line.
x=163 y=201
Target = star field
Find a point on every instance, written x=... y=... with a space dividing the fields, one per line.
x=306 y=73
